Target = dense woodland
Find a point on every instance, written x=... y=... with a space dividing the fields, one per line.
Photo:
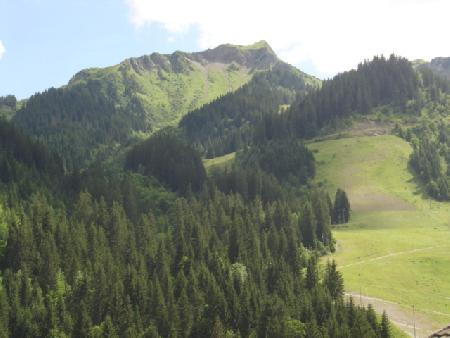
x=8 y=106
x=88 y=114
x=170 y=160
x=374 y=83
x=287 y=160
x=210 y=264
x=430 y=158
x=102 y=110
x=227 y=124
x=151 y=245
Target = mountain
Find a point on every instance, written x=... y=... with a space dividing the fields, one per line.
x=226 y=124
x=439 y=66
x=167 y=86
x=103 y=108
x=160 y=247
x=8 y=106
x=283 y=102
x=391 y=83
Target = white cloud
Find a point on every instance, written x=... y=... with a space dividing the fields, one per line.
x=2 y=49
x=332 y=35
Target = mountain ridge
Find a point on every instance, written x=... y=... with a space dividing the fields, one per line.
x=102 y=108
x=246 y=56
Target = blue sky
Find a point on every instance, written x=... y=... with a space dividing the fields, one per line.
x=43 y=43
x=47 y=41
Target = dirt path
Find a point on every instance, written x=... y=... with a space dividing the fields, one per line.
x=393 y=254
x=401 y=317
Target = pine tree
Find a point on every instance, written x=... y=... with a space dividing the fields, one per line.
x=308 y=226
x=109 y=329
x=341 y=213
x=385 y=329
x=333 y=280
x=217 y=330
x=372 y=318
x=311 y=273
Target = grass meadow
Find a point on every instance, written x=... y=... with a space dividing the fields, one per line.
x=397 y=246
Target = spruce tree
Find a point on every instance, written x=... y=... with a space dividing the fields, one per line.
x=333 y=280
x=385 y=329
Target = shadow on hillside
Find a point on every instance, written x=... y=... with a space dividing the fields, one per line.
x=421 y=189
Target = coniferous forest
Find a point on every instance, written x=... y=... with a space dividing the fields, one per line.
x=139 y=239
x=213 y=263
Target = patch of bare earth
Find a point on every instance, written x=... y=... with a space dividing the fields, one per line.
x=374 y=201
x=370 y=128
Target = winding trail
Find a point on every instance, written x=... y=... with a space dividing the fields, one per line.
x=384 y=195
x=402 y=317
x=393 y=254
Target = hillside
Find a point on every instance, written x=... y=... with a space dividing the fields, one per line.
x=395 y=249
x=103 y=108
x=439 y=65
x=144 y=238
x=8 y=106
x=228 y=123
x=111 y=253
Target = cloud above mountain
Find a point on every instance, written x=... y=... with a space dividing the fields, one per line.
x=330 y=35
x=2 y=49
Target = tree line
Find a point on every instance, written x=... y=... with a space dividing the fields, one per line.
x=430 y=158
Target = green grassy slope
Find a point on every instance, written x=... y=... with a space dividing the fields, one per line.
x=168 y=86
x=165 y=94
x=220 y=162
x=396 y=246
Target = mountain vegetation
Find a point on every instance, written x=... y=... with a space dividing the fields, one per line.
x=287 y=160
x=340 y=213
x=102 y=109
x=25 y=163
x=8 y=106
x=313 y=110
x=227 y=124
x=430 y=158
x=440 y=66
x=374 y=83
x=170 y=160
x=110 y=226
x=87 y=260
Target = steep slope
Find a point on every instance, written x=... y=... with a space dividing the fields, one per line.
x=395 y=249
x=228 y=123
x=273 y=104
x=102 y=108
x=382 y=81
x=25 y=165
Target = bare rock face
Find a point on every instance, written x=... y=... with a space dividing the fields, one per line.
x=139 y=95
x=258 y=56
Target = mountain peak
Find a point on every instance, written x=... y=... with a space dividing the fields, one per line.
x=259 y=55
x=258 y=45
